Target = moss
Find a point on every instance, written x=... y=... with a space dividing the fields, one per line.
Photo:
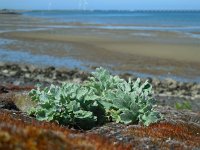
x=18 y=131
x=166 y=134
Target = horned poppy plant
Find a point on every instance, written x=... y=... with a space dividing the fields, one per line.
x=101 y=98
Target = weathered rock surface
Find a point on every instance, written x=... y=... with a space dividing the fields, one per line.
x=178 y=130
x=19 y=131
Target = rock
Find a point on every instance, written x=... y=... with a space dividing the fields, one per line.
x=196 y=87
x=126 y=76
x=172 y=84
x=12 y=73
x=27 y=75
x=181 y=92
x=194 y=93
x=24 y=68
x=17 y=83
x=3 y=89
x=150 y=80
x=32 y=68
x=5 y=71
x=49 y=69
x=40 y=77
x=156 y=82
x=168 y=93
x=77 y=80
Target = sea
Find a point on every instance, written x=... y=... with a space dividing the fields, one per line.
x=187 y=22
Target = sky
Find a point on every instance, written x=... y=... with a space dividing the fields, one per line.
x=101 y=4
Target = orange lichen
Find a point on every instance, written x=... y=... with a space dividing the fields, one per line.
x=162 y=133
x=20 y=131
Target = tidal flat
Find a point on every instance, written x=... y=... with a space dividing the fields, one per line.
x=159 y=53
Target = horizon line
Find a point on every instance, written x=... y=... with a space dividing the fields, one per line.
x=102 y=9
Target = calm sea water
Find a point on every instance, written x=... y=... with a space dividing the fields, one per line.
x=144 y=20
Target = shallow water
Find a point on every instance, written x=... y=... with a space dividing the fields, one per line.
x=27 y=57
x=70 y=62
x=182 y=21
x=156 y=18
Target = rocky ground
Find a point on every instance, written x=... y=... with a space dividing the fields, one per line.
x=168 y=91
x=179 y=130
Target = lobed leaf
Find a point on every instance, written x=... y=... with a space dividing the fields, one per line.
x=102 y=98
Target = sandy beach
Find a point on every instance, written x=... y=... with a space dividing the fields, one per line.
x=150 y=52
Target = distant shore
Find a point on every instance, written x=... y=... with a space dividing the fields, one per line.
x=9 y=12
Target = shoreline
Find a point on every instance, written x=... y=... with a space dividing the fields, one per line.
x=9 y=12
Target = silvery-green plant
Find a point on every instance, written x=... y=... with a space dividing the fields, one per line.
x=125 y=102
x=70 y=104
x=101 y=98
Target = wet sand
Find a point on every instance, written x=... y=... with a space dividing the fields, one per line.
x=150 y=52
x=134 y=46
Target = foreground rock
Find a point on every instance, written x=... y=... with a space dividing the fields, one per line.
x=18 y=131
x=179 y=130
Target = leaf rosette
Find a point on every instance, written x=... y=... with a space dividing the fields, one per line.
x=102 y=98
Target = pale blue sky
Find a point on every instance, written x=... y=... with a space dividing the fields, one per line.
x=100 y=4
